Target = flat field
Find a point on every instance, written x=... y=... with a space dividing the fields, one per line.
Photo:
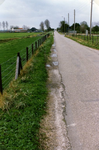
x=15 y=35
x=10 y=45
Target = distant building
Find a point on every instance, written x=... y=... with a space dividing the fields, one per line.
x=19 y=30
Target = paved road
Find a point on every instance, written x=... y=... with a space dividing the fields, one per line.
x=79 y=67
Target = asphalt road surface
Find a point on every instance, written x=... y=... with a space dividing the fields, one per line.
x=79 y=68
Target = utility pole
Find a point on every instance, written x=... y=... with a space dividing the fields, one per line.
x=74 y=21
x=91 y=17
x=68 y=18
x=68 y=22
x=64 y=24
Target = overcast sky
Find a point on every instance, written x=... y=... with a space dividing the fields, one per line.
x=32 y=12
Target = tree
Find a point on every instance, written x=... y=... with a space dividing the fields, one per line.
x=3 y=25
x=47 y=24
x=42 y=26
x=77 y=27
x=16 y=27
x=63 y=26
x=6 y=24
x=95 y=29
x=83 y=26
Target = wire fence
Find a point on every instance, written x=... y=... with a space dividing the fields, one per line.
x=92 y=38
x=8 y=68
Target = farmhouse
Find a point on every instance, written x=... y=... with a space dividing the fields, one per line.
x=19 y=30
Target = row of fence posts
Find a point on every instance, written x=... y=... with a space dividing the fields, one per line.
x=19 y=63
x=87 y=37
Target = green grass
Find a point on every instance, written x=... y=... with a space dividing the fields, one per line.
x=84 y=40
x=4 y=36
x=25 y=105
x=9 y=50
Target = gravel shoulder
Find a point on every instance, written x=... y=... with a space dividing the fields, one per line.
x=53 y=132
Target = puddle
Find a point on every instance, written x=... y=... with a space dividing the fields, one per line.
x=55 y=63
x=54 y=55
x=48 y=66
x=53 y=44
x=54 y=50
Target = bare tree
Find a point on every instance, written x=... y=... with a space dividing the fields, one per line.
x=3 y=25
x=6 y=25
x=42 y=26
x=47 y=24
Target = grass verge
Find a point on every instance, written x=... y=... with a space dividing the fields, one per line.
x=25 y=103
x=84 y=41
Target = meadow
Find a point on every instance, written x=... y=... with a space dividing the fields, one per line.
x=15 y=35
x=10 y=45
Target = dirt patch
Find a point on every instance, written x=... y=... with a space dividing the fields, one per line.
x=7 y=40
x=53 y=130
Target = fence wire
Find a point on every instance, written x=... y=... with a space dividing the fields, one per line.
x=8 y=68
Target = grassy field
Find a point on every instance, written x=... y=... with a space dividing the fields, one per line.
x=4 y=36
x=92 y=42
x=10 y=45
x=25 y=103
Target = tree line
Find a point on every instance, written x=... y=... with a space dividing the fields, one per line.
x=80 y=28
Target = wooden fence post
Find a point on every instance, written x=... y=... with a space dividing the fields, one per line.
x=26 y=53
x=35 y=45
x=1 y=89
x=97 y=39
x=20 y=63
x=32 y=49
x=38 y=43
